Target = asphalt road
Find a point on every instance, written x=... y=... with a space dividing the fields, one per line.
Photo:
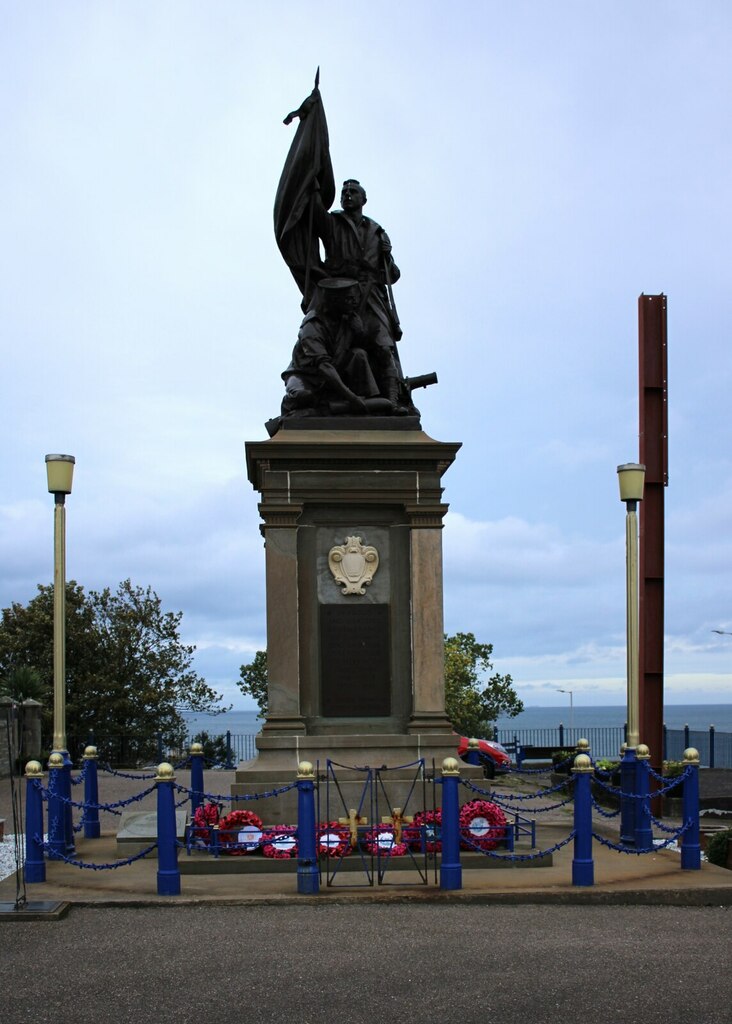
x=352 y=964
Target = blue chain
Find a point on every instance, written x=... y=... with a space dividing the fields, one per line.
x=124 y=775
x=519 y=856
x=542 y=771
x=93 y=867
x=219 y=797
x=517 y=797
x=631 y=849
x=639 y=796
x=79 y=778
x=657 y=823
x=602 y=811
x=534 y=810
x=98 y=807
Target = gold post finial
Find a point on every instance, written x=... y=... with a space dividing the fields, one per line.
x=643 y=752
x=473 y=744
x=691 y=756
x=450 y=766
x=90 y=753
x=33 y=770
x=583 y=746
x=305 y=770
x=166 y=772
x=582 y=763
x=196 y=749
x=56 y=760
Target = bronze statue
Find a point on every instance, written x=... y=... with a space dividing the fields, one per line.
x=355 y=323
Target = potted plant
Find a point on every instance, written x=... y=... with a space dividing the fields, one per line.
x=719 y=848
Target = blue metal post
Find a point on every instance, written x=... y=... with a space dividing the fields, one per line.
x=92 y=828
x=561 y=735
x=583 y=867
x=711 y=745
x=690 y=848
x=229 y=759
x=308 y=877
x=628 y=785
x=686 y=737
x=196 y=776
x=60 y=830
x=472 y=754
x=643 y=831
x=168 y=872
x=451 y=871
x=35 y=865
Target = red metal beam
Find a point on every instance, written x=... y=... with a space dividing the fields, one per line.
x=653 y=407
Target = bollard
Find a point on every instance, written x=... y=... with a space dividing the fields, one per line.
x=35 y=865
x=451 y=871
x=59 y=808
x=628 y=784
x=91 y=794
x=196 y=776
x=472 y=754
x=643 y=830
x=308 y=877
x=583 y=868
x=229 y=751
x=690 y=848
x=168 y=872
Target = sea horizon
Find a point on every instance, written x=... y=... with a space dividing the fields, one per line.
x=244 y=721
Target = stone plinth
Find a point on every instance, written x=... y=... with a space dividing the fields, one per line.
x=355 y=663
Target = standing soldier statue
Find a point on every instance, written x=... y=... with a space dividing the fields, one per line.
x=358 y=250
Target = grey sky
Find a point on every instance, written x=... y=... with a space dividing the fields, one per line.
x=537 y=167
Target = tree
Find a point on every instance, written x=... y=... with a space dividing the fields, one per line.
x=253 y=682
x=127 y=671
x=473 y=704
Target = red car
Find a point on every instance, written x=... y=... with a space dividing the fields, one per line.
x=491 y=755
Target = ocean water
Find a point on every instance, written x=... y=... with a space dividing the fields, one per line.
x=696 y=716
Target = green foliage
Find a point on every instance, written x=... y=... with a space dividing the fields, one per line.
x=253 y=682
x=23 y=683
x=717 y=847
x=127 y=670
x=671 y=769
x=473 y=702
x=607 y=764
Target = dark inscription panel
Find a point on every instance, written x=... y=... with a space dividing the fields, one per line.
x=354 y=660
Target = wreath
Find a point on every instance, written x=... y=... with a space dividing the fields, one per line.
x=380 y=841
x=483 y=823
x=241 y=832
x=280 y=842
x=333 y=839
x=204 y=818
x=427 y=824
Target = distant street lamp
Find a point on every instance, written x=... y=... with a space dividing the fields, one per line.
x=571 y=705
x=631 y=477
x=60 y=472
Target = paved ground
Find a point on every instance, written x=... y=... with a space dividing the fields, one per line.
x=354 y=964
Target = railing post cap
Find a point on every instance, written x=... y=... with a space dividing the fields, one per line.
x=196 y=749
x=473 y=744
x=642 y=752
x=450 y=766
x=56 y=760
x=90 y=753
x=305 y=770
x=166 y=772
x=583 y=745
x=34 y=770
x=582 y=763
x=691 y=756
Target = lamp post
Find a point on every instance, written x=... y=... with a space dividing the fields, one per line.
x=571 y=706
x=60 y=472
x=631 y=477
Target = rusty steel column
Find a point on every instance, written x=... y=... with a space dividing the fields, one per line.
x=653 y=407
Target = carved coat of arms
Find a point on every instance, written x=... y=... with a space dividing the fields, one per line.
x=353 y=565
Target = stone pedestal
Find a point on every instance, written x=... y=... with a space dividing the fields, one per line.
x=356 y=667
